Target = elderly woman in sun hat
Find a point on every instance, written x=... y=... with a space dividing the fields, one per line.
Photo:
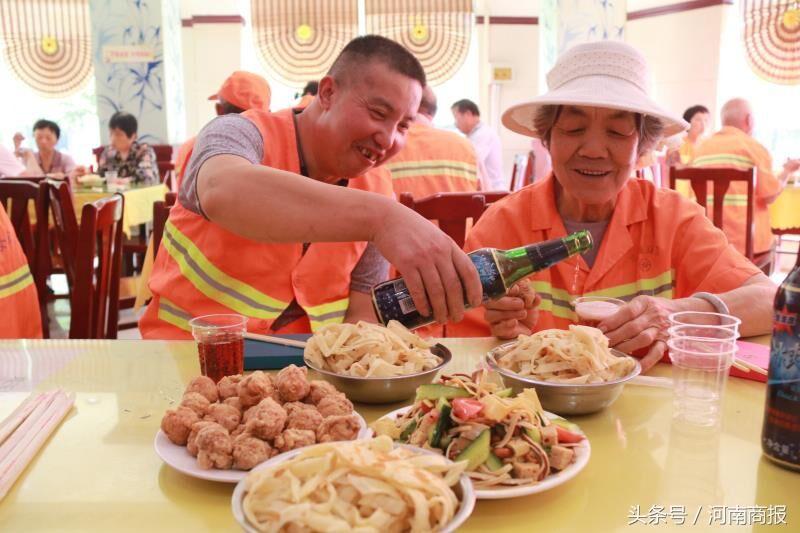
x=654 y=249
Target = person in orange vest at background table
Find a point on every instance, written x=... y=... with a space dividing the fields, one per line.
x=260 y=184
x=734 y=147
x=433 y=160
x=19 y=306
x=654 y=248
x=239 y=92
x=308 y=94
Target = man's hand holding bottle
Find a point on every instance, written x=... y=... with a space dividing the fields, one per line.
x=514 y=314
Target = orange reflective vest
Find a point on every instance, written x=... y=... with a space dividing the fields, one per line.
x=19 y=306
x=182 y=160
x=204 y=269
x=433 y=161
x=657 y=243
x=732 y=148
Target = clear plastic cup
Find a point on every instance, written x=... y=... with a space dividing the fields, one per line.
x=220 y=344
x=701 y=359
x=592 y=310
x=700 y=318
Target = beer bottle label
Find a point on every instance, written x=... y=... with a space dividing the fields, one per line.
x=781 y=436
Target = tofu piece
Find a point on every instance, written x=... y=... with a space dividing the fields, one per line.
x=561 y=457
x=549 y=435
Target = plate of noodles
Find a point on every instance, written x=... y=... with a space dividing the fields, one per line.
x=369 y=485
x=511 y=445
x=219 y=431
x=372 y=363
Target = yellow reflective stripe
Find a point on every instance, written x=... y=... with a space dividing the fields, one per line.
x=172 y=314
x=660 y=285
x=559 y=301
x=329 y=313
x=729 y=160
x=216 y=284
x=730 y=199
x=406 y=169
x=15 y=281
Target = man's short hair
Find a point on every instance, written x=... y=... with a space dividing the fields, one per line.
x=311 y=88
x=376 y=48
x=124 y=121
x=466 y=105
x=427 y=105
x=227 y=108
x=42 y=124
x=689 y=114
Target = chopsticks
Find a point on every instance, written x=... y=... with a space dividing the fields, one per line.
x=744 y=366
x=24 y=432
x=274 y=340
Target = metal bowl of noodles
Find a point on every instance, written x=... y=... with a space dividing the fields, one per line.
x=566 y=398
x=384 y=389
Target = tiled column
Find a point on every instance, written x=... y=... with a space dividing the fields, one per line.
x=137 y=60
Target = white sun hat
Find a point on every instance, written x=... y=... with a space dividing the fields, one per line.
x=608 y=74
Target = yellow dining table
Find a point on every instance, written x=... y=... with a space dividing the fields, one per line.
x=784 y=212
x=139 y=201
x=99 y=471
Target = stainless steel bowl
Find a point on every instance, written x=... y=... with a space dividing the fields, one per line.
x=464 y=491
x=384 y=390
x=566 y=398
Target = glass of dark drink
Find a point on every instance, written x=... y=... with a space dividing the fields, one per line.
x=220 y=344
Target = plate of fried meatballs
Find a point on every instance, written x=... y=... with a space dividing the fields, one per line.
x=219 y=431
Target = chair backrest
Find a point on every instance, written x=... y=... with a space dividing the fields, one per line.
x=20 y=198
x=65 y=223
x=721 y=179
x=17 y=197
x=163 y=160
x=94 y=300
x=160 y=216
x=491 y=197
x=450 y=209
x=514 y=171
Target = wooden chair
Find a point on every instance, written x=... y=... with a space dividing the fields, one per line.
x=721 y=179
x=780 y=233
x=59 y=196
x=491 y=197
x=527 y=176
x=514 y=171
x=20 y=198
x=450 y=209
x=94 y=301
x=160 y=216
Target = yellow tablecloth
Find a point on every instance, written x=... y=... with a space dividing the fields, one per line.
x=138 y=202
x=784 y=212
x=99 y=471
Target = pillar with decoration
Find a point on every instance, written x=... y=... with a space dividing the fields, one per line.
x=564 y=23
x=137 y=62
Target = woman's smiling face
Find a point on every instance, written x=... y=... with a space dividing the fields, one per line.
x=594 y=152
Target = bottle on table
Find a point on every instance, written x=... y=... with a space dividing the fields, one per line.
x=498 y=271
x=780 y=437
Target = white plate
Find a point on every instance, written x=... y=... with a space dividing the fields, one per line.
x=179 y=458
x=465 y=508
x=582 y=453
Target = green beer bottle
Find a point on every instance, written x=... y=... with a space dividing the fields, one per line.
x=498 y=270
